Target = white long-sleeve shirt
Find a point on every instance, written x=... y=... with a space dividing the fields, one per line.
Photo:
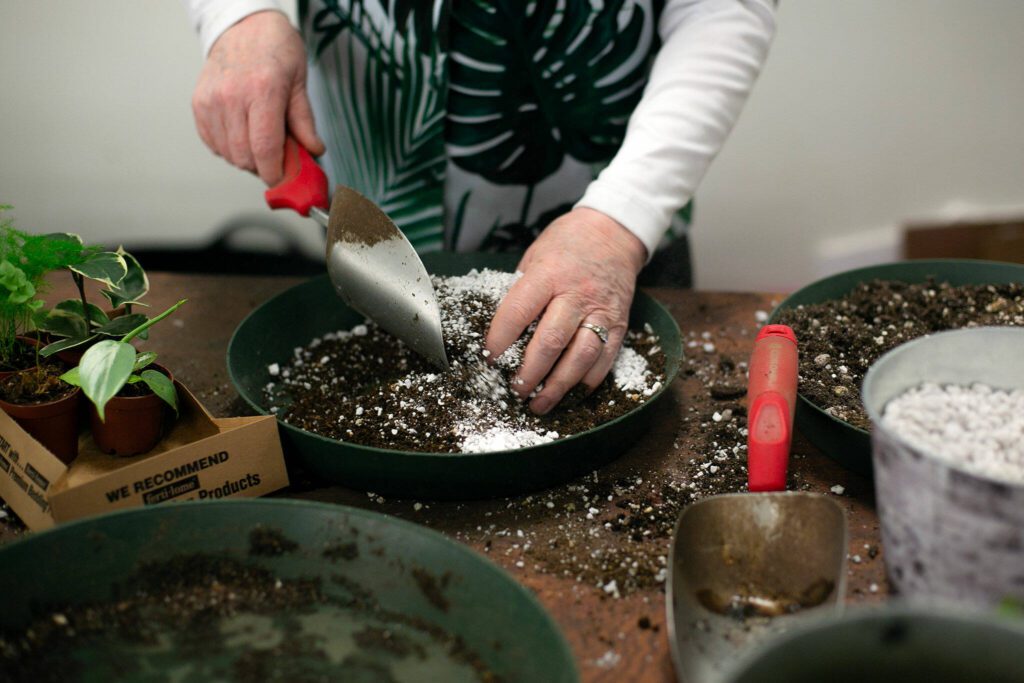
x=711 y=54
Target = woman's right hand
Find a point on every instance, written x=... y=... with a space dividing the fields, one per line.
x=251 y=89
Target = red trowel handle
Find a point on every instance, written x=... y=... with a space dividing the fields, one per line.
x=304 y=185
x=771 y=399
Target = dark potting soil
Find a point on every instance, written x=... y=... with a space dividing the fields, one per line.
x=36 y=386
x=366 y=387
x=181 y=605
x=612 y=533
x=23 y=357
x=840 y=339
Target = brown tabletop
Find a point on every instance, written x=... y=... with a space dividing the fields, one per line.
x=559 y=543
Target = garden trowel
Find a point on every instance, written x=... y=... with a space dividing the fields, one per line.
x=372 y=265
x=746 y=567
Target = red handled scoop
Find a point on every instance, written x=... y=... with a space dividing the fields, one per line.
x=372 y=265
x=771 y=400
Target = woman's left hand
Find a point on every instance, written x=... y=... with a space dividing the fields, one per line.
x=581 y=269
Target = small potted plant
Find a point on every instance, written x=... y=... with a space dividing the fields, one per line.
x=31 y=391
x=75 y=324
x=130 y=395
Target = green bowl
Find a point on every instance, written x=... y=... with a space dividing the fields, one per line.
x=898 y=643
x=311 y=308
x=402 y=577
x=849 y=445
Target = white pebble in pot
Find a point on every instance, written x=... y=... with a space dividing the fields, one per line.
x=976 y=427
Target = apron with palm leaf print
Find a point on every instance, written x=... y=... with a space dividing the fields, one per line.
x=475 y=123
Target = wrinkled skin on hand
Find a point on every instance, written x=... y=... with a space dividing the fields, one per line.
x=582 y=268
x=253 y=86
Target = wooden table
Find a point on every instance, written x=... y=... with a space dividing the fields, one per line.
x=613 y=639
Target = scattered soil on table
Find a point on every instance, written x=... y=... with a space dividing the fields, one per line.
x=841 y=338
x=363 y=385
x=181 y=603
x=612 y=532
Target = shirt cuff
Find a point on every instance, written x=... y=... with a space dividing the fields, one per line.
x=644 y=221
x=211 y=18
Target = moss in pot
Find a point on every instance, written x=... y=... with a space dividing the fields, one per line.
x=130 y=395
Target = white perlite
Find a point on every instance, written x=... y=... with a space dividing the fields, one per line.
x=505 y=439
x=630 y=371
x=976 y=427
x=485 y=414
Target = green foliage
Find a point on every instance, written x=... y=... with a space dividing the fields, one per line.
x=24 y=262
x=110 y=364
x=132 y=287
x=125 y=285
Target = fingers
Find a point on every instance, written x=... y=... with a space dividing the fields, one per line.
x=266 y=138
x=301 y=123
x=520 y=307
x=599 y=370
x=554 y=332
x=251 y=87
x=236 y=128
x=584 y=353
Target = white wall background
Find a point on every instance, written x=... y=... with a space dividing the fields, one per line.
x=869 y=114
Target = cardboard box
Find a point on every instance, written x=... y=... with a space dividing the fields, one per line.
x=202 y=457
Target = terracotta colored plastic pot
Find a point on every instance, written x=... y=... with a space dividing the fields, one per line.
x=54 y=424
x=133 y=425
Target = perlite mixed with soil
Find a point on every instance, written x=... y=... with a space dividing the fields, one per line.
x=841 y=338
x=364 y=386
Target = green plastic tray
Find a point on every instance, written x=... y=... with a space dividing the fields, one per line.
x=271 y=332
x=849 y=445
x=496 y=618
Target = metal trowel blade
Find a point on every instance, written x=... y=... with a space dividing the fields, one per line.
x=746 y=567
x=375 y=270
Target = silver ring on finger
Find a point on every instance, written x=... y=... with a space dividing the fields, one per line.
x=599 y=330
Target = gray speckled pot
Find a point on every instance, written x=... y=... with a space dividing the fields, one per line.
x=949 y=534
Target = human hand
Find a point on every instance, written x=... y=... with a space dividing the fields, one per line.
x=582 y=268
x=252 y=85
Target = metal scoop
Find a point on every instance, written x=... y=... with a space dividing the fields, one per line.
x=748 y=566
x=372 y=265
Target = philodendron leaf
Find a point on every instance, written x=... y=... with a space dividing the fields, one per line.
x=162 y=386
x=63 y=323
x=122 y=325
x=133 y=286
x=144 y=359
x=104 y=266
x=72 y=377
x=64 y=344
x=104 y=369
x=74 y=306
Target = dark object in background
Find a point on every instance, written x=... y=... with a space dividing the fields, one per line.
x=987 y=240
x=224 y=255
x=228 y=253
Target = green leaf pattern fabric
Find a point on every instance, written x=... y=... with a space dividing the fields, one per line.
x=474 y=123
